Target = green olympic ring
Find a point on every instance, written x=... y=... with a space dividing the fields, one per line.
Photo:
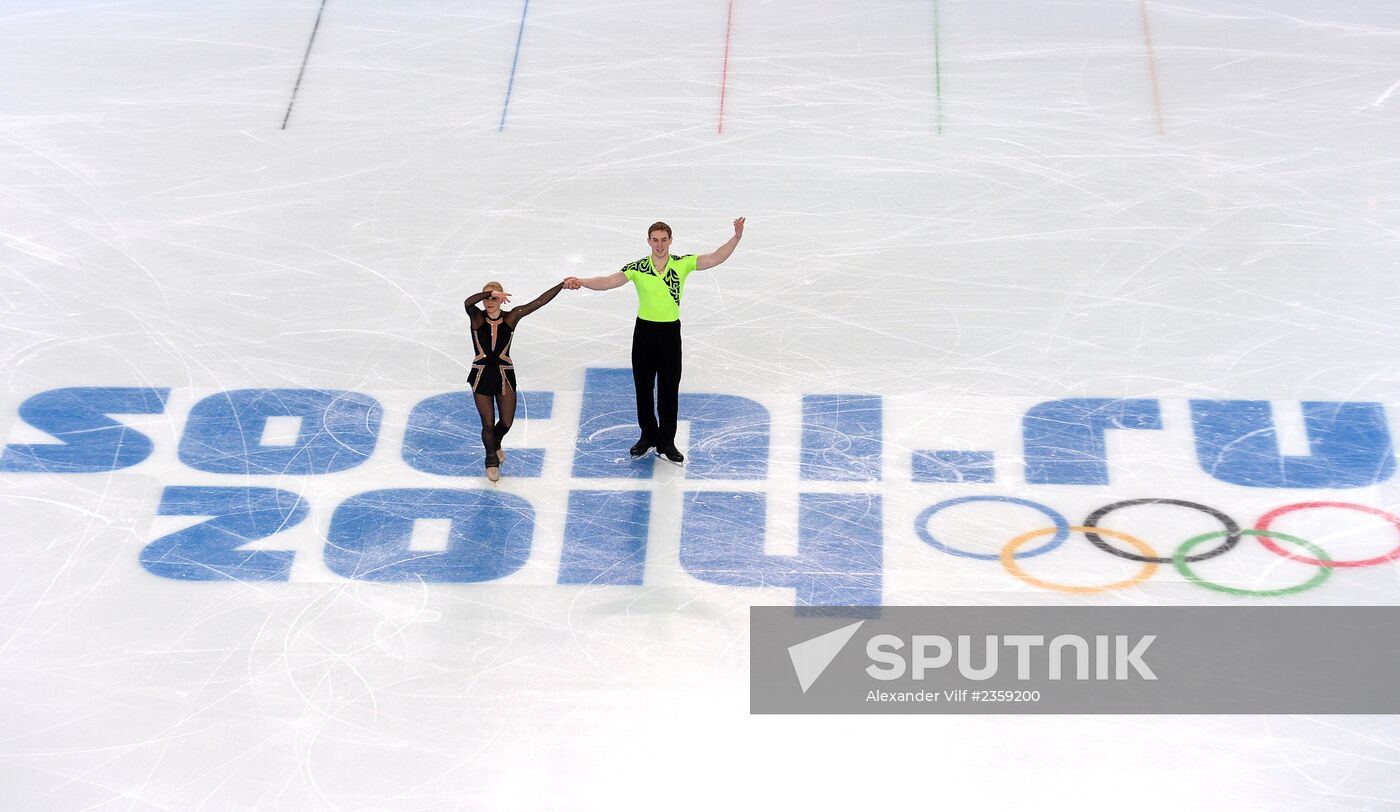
x=1323 y=573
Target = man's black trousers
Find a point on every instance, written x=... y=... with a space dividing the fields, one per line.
x=656 y=361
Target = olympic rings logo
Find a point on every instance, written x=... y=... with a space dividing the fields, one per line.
x=1300 y=550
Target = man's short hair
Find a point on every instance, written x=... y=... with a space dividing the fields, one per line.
x=659 y=226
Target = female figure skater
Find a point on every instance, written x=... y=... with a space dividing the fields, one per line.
x=492 y=378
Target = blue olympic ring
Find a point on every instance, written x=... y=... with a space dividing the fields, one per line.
x=1061 y=527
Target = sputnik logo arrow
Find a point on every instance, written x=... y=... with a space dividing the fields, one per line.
x=810 y=658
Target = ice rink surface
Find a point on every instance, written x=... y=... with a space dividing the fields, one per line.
x=1072 y=252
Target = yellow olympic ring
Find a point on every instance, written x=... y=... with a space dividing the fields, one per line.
x=1008 y=560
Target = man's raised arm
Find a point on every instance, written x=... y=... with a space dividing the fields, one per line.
x=721 y=253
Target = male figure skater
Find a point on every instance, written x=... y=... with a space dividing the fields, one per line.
x=659 y=279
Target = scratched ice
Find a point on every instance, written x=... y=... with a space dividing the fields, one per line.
x=1070 y=253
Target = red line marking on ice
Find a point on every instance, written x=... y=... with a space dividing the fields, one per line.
x=1151 y=67
x=724 y=72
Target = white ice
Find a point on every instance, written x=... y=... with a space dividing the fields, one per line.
x=965 y=208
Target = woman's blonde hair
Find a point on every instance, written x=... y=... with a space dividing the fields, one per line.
x=492 y=286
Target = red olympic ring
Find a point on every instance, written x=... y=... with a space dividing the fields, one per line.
x=1273 y=546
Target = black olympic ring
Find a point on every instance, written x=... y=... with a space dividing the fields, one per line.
x=1232 y=529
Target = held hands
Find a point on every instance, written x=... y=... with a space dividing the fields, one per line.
x=572 y=283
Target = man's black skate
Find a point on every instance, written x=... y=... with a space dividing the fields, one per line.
x=671 y=453
x=643 y=446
